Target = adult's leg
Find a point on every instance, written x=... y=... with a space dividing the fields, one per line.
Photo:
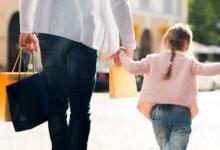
x=81 y=70
x=54 y=65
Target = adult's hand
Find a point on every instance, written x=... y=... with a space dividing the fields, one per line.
x=28 y=42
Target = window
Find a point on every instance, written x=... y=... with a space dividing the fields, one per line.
x=140 y=4
x=179 y=7
x=168 y=6
x=144 y=4
x=156 y=5
x=173 y=7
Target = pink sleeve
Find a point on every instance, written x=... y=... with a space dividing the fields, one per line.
x=135 y=67
x=205 y=69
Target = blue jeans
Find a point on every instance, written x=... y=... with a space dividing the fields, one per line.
x=70 y=69
x=172 y=126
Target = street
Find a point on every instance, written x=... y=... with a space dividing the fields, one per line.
x=117 y=125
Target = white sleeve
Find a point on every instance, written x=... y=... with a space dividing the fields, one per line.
x=122 y=14
x=26 y=8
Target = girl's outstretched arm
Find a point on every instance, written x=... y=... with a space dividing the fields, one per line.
x=135 y=67
x=205 y=69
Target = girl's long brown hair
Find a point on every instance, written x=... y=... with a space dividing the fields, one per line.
x=178 y=38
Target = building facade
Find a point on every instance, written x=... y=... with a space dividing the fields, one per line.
x=153 y=17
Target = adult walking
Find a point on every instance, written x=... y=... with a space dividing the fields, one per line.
x=70 y=32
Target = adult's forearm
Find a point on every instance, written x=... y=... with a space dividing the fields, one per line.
x=122 y=13
x=26 y=8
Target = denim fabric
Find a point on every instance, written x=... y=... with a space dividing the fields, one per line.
x=172 y=126
x=70 y=69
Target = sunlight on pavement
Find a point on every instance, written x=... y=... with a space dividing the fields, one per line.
x=117 y=125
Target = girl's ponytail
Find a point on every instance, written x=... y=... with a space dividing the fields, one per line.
x=167 y=75
x=178 y=38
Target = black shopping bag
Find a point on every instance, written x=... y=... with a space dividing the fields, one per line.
x=28 y=102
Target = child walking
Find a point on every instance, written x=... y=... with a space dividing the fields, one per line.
x=169 y=92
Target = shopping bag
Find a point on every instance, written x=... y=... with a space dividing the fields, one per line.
x=122 y=84
x=7 y=78
x=28 y=102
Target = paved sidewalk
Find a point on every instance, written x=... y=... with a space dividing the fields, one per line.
x=117 y=125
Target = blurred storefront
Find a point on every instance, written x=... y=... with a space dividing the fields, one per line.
x=153 y=17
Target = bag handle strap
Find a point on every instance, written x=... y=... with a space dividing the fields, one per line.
x=19 y=58
x=16 y=62
x=29 y=63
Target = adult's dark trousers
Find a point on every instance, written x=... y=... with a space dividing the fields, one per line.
x=70 y=69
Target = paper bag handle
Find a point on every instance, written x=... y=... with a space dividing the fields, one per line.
x=19 y=58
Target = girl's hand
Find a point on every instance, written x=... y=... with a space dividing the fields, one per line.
x=128 y=52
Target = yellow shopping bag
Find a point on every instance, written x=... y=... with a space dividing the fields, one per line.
x=122 y=84
x=7 y=78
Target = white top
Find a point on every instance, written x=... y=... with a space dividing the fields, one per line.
x=95 y=23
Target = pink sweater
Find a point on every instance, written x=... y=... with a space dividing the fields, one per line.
x=180 y=89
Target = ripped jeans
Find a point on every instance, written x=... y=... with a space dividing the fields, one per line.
x=172 y=126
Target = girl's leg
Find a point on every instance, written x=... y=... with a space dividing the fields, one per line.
x=178 y=140
x=172 y=126
x=181 y=129
x=160 y=126
x=160 y=134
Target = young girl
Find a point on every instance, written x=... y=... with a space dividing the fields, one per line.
x=169 y=93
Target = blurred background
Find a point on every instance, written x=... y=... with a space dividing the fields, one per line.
x=151 y=20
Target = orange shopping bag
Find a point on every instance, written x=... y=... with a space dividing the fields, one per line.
x=122 y=84
x=7 y=78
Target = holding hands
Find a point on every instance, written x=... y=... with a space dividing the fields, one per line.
x=115 y=56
